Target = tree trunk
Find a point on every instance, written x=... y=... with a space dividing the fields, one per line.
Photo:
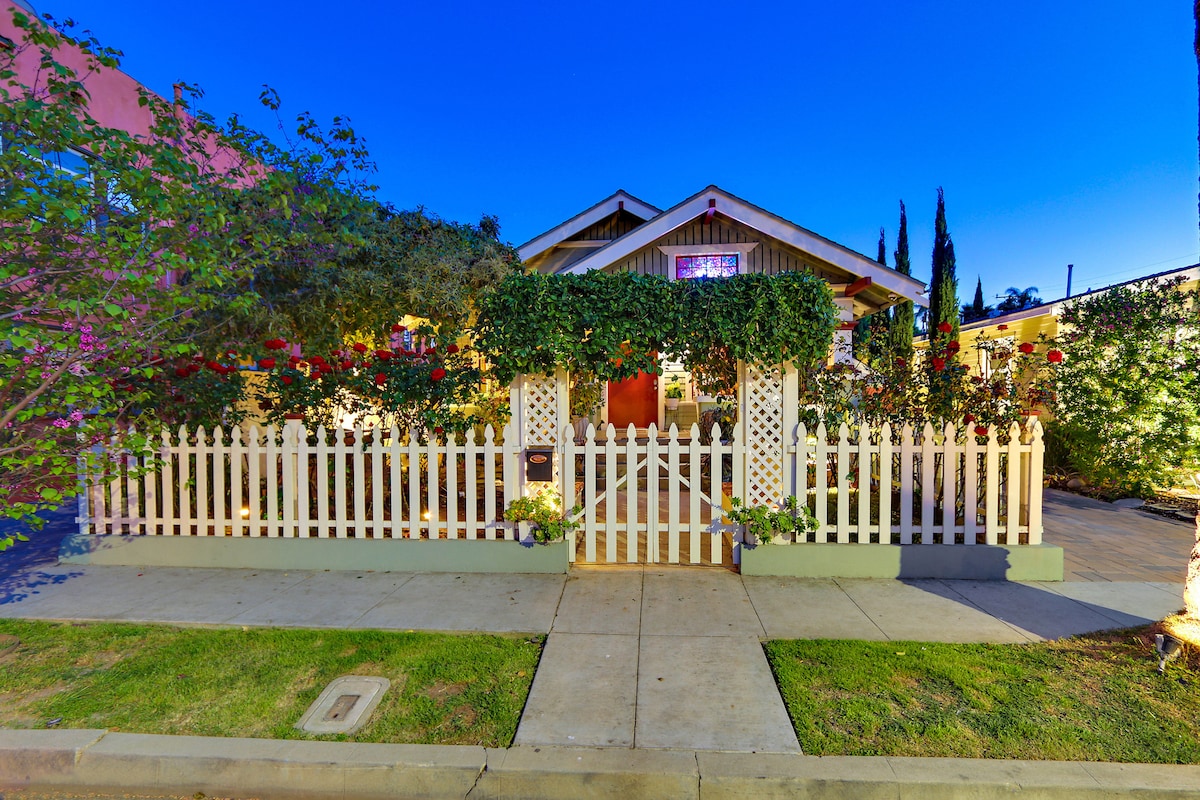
x=1191 y=589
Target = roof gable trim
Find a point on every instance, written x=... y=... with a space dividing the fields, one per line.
x=585 y=219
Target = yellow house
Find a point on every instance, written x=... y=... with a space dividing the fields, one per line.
x=1030 y=323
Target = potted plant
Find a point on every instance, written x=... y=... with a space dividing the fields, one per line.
x=769 y=525
x=674 y=394
x=544 y=511
x=587 y=395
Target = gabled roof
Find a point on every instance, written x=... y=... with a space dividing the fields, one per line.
x=728 y=205
x=585 y=219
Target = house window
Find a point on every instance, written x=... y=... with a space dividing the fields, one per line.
x=720 y=265
x=704 y=261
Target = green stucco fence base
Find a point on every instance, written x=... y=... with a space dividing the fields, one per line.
x=380 y=555
x=1039 y=562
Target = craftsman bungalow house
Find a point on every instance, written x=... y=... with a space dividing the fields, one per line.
x=709 y=235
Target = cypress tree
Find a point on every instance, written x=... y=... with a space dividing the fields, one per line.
x=977 y=310
x=900 y=334
x=943 y=294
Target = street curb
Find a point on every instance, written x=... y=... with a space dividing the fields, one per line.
x=86 y=761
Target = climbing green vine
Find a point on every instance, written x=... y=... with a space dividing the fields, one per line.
x=614 y=325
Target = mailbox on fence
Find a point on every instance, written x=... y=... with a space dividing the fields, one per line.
x=539 y=463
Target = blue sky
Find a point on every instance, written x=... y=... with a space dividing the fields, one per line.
x=1062 y=132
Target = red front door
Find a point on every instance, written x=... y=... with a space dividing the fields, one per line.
x=634 y=400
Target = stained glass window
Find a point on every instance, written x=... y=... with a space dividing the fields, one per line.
x=714 y=266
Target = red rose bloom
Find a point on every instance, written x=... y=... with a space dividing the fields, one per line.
x=287 y=380
x=324 y=368
x=900 y=362
x=939 y=363
x=969 y=418
x=266 y=363
x=194 y=368
x=437 y=374
x=953 y=346
x=317 y=360
x=398 y=328
x=980 y=430
x=1001 y=327
x=945 y=327
x=1054 y=356
x=452 y=349
x=347 y=364
x=182 y=372
x=380 y=379
x=439 y=430
x=1025 y=347
x=383 y=355
x=214 y=366
x=359 y=347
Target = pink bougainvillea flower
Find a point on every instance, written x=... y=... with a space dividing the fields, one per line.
x=1054 y=356
x=267 y=363
x=980 y=430
x=945 y=327
x=452 y=349
x=359 y=347
x=1025 y=347
x=437 y=374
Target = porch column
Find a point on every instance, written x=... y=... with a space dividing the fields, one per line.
x=843 y=336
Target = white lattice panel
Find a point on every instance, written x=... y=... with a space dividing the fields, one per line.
x=540 y=413
x=763 y=407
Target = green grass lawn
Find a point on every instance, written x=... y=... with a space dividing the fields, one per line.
x=1091 y=698
x=257 y=682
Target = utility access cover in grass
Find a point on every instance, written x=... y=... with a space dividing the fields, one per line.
x=345 y=705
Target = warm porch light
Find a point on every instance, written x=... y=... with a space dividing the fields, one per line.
x=245 y=512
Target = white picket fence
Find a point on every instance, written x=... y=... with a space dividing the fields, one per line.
x=644 y=497
x=935 y=486
x=365 y=484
